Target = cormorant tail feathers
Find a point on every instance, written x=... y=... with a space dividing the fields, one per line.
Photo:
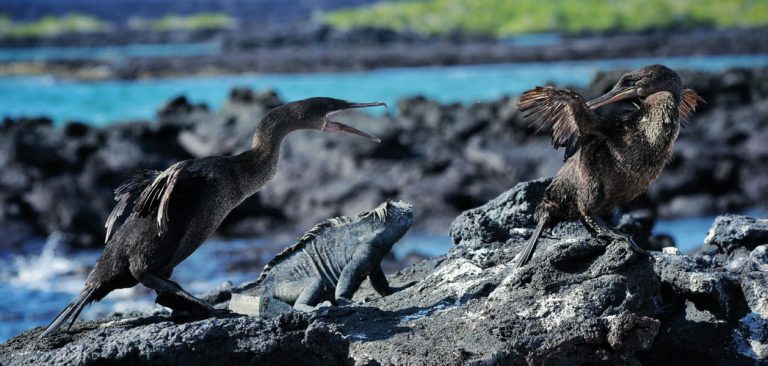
x=530 y=247
x=70 y=313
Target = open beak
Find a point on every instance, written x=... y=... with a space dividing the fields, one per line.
x=616 y=94
x=332 y=126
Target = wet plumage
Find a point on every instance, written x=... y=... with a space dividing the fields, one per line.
x=609 y=161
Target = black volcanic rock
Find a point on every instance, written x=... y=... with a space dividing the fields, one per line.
x=580 y=301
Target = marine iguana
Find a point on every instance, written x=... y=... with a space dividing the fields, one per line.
x=609 y=161
x=330 y=261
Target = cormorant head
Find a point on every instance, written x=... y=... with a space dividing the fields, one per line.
x=641 y=83
x=315 y=114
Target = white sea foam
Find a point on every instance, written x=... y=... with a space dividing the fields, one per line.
x=48 y=271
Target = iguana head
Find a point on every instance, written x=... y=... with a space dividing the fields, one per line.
x=389 y=222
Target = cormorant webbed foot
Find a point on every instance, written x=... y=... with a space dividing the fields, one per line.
x=171 y=295
x=401 y=288
x=614 y=235
x=604 y=231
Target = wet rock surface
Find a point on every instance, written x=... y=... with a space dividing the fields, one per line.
x=580 y=301
x=444 y=158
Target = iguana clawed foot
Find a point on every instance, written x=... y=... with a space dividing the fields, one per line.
x=340 y=301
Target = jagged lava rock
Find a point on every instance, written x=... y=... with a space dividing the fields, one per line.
x=579 y=301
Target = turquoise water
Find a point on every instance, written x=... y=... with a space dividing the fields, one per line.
x=689 y=233
x=100 y=102
x=108 y=52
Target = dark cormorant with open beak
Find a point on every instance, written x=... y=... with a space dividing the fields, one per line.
x=608 y=161
x=175 y=210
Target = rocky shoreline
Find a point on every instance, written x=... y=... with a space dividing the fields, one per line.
x=318 y=48
x=443 y=158
x=580 y=300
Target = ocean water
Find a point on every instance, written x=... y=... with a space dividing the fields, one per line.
x=101 y=102
x=108 y=52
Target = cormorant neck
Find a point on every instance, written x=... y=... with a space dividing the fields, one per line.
x=259 y=163
x=269 y=134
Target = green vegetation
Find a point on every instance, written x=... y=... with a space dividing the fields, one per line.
x=509 y=17
x=81 y=23
x=50 y=25
x=185 y=22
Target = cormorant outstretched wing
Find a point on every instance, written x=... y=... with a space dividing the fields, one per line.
x=688 y=102
x=129 y=192
x=565 y=112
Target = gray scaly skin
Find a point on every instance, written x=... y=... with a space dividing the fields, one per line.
x=609 y=161
x=175 y=210
x=332 y=259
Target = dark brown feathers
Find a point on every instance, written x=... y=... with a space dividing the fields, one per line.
x=562 y=111
x=127 y=193
x=158 y=195
x=688 y=102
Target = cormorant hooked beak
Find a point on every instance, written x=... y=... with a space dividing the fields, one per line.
x=616 y=94
x=332 y=126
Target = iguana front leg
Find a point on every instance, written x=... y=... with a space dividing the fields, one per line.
x=381 y=285
x=353 y=275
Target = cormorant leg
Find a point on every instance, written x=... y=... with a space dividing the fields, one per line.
x=603 y=230
x=171 y=295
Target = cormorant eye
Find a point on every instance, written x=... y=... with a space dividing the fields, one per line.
x=629 y=82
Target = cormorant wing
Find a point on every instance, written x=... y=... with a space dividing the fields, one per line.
x=688 y=102
x=158 y=194
x=127 y=193
x=565 y=112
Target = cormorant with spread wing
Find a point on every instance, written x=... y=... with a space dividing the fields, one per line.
x=609 y=161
